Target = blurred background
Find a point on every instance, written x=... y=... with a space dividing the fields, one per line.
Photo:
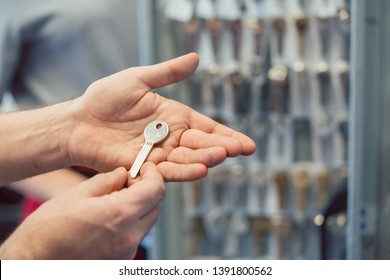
x=308 y=81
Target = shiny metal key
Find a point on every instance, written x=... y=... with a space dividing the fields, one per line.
x=154 y=133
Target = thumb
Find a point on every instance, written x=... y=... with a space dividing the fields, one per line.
x=168 y=72
x=105 y=183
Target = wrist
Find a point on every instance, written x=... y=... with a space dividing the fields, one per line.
x=35 y=141
x=54 y=132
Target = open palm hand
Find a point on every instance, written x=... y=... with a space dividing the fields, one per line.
x=114 y=111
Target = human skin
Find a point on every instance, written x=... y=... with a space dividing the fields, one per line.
x=98 y=219
x=103 y=129
x=107 y=216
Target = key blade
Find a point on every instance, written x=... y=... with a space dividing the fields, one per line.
x=141 y=157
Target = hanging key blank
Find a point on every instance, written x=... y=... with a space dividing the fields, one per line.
x=154 y=133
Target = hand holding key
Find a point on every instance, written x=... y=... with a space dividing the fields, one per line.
x=115 y=110
x=103 y=129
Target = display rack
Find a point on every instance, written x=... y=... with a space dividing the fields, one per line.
x=278 y=71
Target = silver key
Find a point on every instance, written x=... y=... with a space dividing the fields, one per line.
x=154 y=133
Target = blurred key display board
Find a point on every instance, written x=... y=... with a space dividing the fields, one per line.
x=277 y=70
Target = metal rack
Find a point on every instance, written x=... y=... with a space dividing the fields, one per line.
x=286 y=84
